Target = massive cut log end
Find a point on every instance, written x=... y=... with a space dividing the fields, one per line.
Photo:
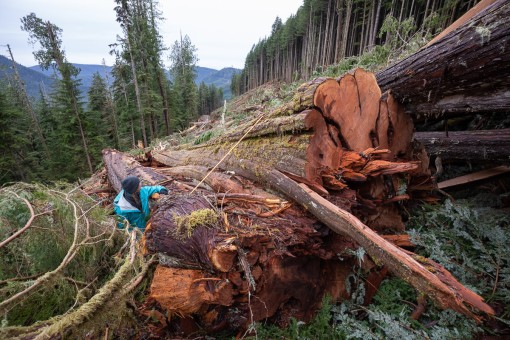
x=184 y=292
x=261 y=266
x=362 y=136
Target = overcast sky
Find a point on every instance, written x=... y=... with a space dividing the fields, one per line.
x=223 y=31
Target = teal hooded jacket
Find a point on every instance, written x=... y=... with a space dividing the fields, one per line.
x=135 y=217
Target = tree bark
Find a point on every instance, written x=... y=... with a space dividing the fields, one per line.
x=119 y=166
x=482 y=145
x=454 y=73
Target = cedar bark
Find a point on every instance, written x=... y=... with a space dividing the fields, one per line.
x=119 y=166
x=450 y=75
x=481 y=145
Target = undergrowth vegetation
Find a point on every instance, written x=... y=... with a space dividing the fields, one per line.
x=469 y=238
x=60 y=252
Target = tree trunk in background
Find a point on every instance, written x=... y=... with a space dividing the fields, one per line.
x=345 y=35
x=480 y=146
x=447 y=77
x=137 y=93
x=376 y=25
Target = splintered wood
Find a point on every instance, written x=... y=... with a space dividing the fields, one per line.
x=343 y=164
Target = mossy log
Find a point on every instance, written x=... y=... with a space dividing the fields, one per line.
x=465 y=71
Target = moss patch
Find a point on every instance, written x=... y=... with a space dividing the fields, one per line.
x=187 y=223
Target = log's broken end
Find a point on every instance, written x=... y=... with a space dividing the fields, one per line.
x=459 y=298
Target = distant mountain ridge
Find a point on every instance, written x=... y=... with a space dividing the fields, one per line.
x=33 y=79
x=33 y=76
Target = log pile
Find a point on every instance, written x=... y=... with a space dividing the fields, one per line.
x=288 y=201
x=461 y=76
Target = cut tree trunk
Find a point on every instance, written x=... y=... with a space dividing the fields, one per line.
x=445 y=294
x=467 y=70
x=257 y=246
x=481 y=145
x=352 y=145
x=119 y=166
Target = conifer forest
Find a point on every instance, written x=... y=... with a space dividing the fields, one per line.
x=355 y=186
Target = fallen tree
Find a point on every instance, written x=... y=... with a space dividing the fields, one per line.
x=479 y=145
x=232 y=267
x=464 y=71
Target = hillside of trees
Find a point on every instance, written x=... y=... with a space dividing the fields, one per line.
x=37 y=79
x=59 y=137
x=324 y=32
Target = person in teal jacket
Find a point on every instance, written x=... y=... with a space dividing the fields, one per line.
x=132 y=202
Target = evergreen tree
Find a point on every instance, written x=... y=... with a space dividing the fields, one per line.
x=13 y=142
x=100 y=108
x=184 y=59
x=141 y=49
x=52 y=55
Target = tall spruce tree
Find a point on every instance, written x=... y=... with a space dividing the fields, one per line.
x=184 y=59
x=72 y=118
x=141 y=48
x=14 y=144
x=99 y=107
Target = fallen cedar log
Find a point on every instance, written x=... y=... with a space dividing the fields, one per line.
x=350 y=119
x=276 y=270
x=465 y=71
x=285 y=260
x=447 y=294
x=480 y=145
x=119 y=166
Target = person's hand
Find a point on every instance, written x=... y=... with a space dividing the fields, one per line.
x=164 y=191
